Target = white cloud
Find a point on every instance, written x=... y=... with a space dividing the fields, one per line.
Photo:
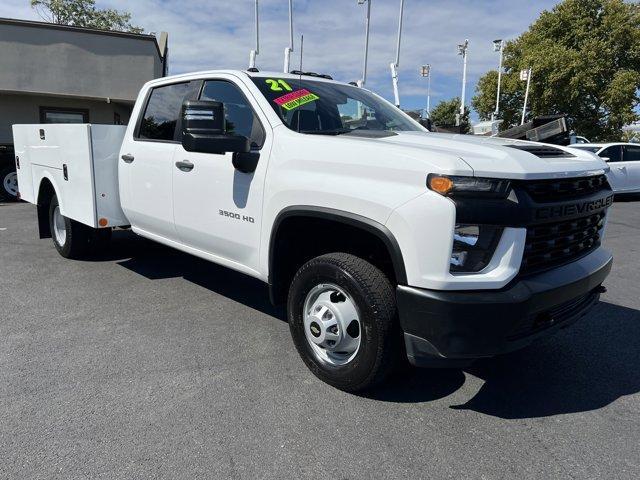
x=209 y=34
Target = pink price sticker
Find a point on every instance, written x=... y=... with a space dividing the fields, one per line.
x=295 y=99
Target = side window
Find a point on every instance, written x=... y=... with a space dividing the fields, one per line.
x=631 y=153
x=614 y=154
x=240 y=117
x=163 y=110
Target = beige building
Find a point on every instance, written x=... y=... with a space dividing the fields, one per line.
x=56 y=73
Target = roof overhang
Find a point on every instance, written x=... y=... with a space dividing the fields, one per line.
x=127 y=101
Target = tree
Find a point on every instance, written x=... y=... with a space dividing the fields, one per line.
x=84 y=13
x=444 y=114
x=585 y=58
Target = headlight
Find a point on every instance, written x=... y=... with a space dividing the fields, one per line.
x=468 y=186
x=473 y=247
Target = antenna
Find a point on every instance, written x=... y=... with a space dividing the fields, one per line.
x=254 y=53
x=396 y=65
x=300 y=76
x=289 y=50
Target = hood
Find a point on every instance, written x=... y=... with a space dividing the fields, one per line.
x=501 y=157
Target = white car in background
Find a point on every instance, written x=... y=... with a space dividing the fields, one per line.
x=624 y=161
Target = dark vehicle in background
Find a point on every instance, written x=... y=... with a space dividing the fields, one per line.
x=8 y=176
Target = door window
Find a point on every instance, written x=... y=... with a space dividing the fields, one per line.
x=632 y=153
x=163 y=110
x=240 y=117
x=614 y=154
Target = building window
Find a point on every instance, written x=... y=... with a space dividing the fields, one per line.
x=63 y=115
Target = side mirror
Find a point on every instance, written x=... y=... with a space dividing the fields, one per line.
x=606 y=159
x=204 y=129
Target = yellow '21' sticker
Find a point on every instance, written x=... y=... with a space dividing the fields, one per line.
x=278 y=85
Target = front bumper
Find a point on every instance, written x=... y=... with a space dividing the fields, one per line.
x=449 y=327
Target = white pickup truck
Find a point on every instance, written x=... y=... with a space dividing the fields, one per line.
x=387 y=242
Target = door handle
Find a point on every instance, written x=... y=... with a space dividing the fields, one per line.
x=128 y=158
x=622 y=169
x=185 y=165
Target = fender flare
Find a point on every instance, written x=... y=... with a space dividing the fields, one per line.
x=348 y=218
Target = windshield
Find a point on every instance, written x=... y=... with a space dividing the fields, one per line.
x=590 y=149
x=324 y=108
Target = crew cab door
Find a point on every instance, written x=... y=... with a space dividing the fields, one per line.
x=146 y=165
x=217 y=208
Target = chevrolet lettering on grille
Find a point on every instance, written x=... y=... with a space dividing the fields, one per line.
x=571 y=209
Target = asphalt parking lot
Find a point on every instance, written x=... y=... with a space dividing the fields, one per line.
x=149 y=363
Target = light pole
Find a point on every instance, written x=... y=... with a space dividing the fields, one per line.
x=462 y=50
x=256 y=51
x=498 y=46
x=425 y=72
x=289 y=50
x=366 y=41
x=525 y=75
x=396 y=65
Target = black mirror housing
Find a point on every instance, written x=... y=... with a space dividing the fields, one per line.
x=204 y=129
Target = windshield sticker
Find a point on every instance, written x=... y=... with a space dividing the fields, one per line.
x=278 y=85
x=295 y=99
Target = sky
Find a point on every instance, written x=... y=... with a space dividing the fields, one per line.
x=215 y=34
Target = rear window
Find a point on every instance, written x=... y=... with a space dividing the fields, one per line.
x=163 y=110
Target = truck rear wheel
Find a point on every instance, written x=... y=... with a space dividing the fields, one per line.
x=70 y=238
x=342 y=316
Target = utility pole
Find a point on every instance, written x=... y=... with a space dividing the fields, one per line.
x=525 y=75
x=289 y=50
x=396 y=65
x=498 y=46
x=256 y=51
x=462 y=50
x=363 y=80
x=425 y=72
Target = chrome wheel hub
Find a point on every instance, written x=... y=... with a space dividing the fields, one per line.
x=332 y=324
x=59 y=227
x=10 y=183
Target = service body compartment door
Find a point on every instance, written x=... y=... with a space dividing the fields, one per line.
x=61 y=153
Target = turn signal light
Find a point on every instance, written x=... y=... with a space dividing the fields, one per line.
x=460 y=186
x=441 y=185
x=103 y=222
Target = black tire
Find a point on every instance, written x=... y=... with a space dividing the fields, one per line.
x=374 y=297
x=5 y=173
x=76 y=243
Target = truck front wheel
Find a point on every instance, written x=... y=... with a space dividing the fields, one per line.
x=70 y=238
x=342 y=316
